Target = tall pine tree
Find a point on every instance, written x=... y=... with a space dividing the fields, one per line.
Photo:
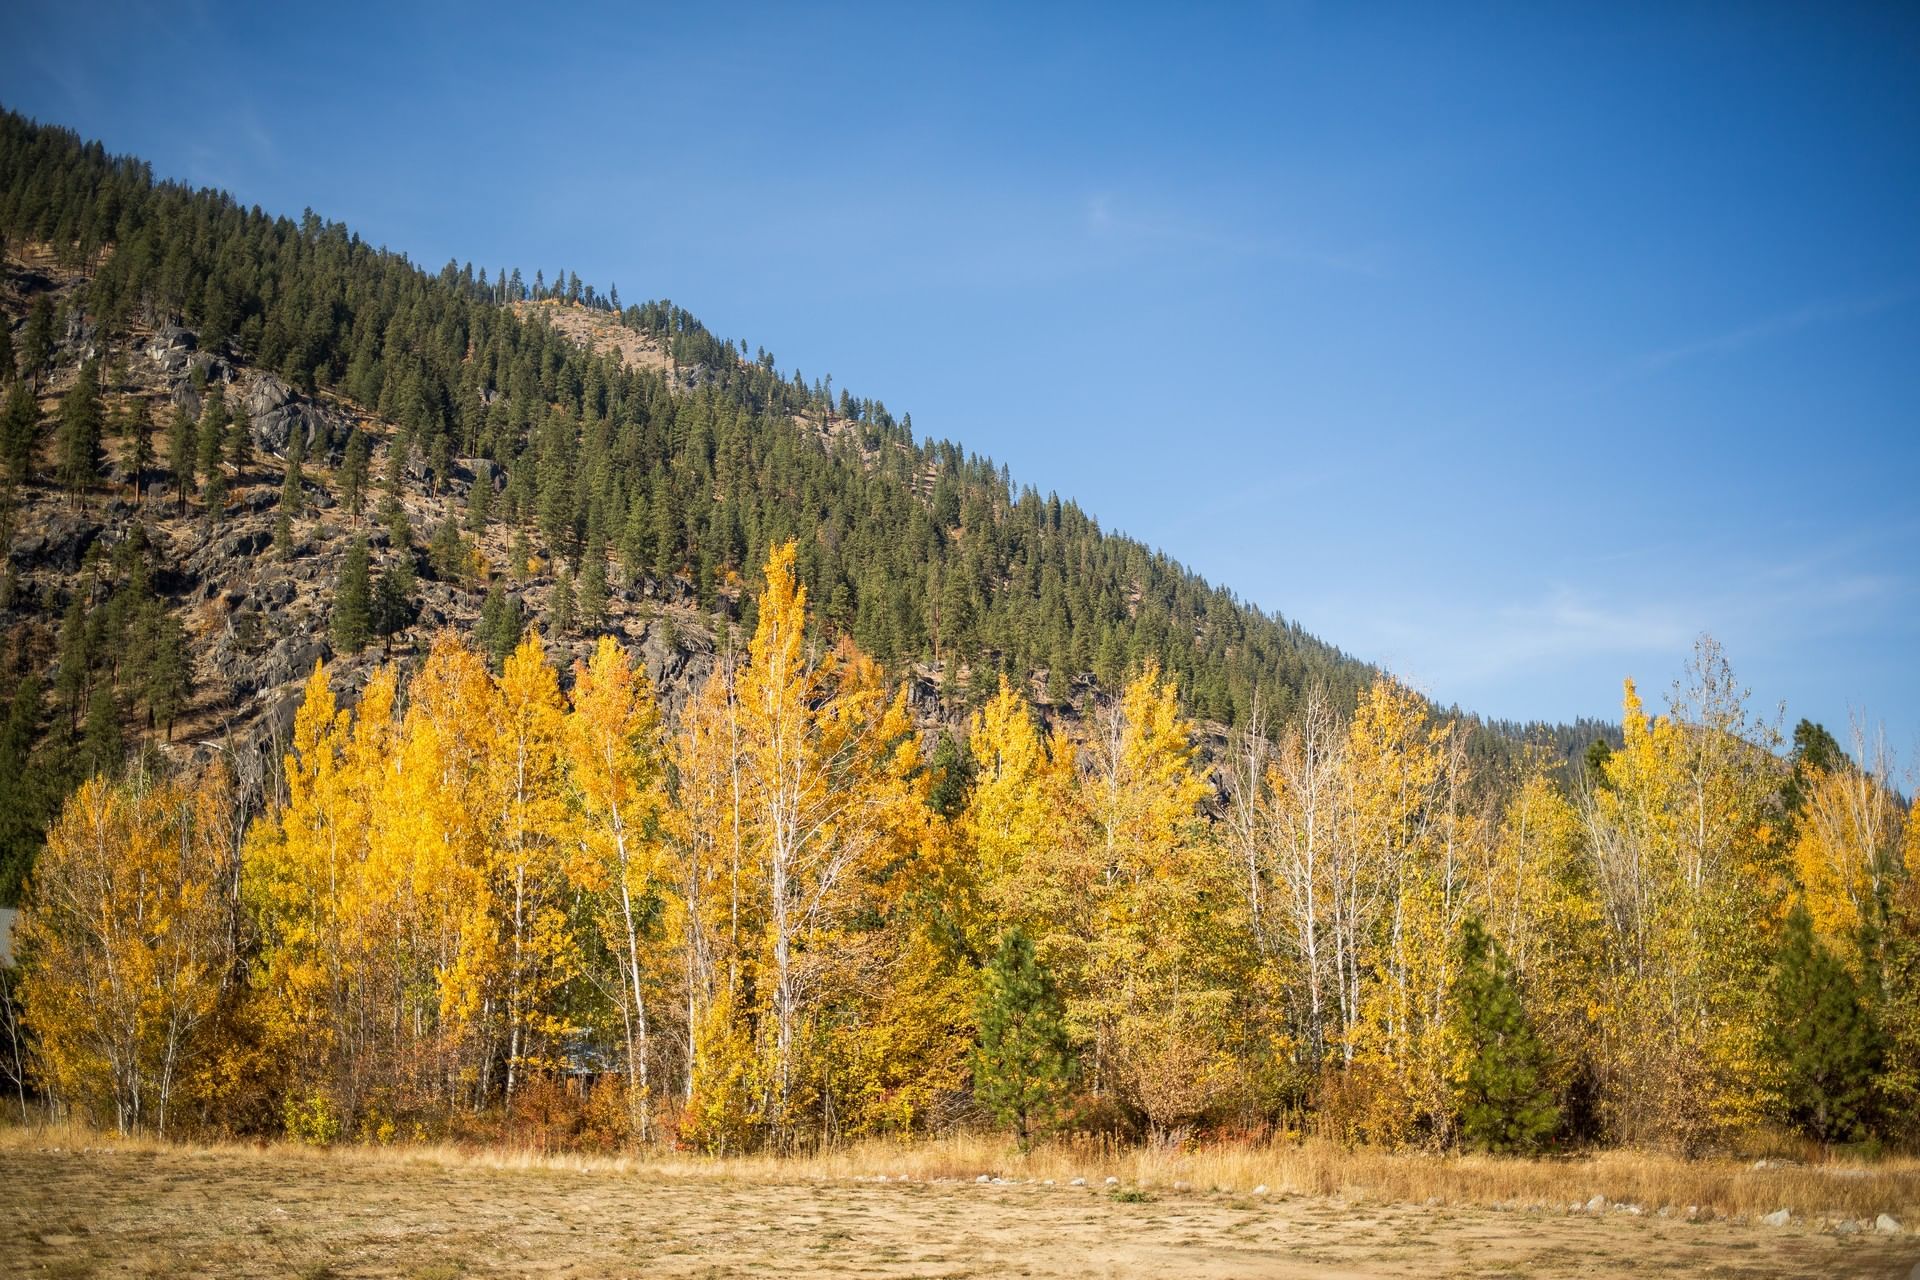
x=1023 y=1064
x=1505 y=1102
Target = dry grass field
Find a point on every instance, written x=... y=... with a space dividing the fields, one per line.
x=77 y=1205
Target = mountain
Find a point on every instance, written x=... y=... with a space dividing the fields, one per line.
x=507 y=452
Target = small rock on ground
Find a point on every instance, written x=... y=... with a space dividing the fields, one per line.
x=1887 y=1224
x=1778 y=1218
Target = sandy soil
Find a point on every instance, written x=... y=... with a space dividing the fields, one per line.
x=235 y=1213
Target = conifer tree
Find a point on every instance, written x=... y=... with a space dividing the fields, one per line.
x=447 y=553
x=353 y=476
x=80 y=421
x=593 y=586
x=479 y=506
x=103 y=745
x=352 y=620
x=393 y=607
x=214 y=493
x=213 y=426
x=139 y=444
x=1825 y=1037
x=36 y=348
x=560 y=609
x=293 y=487
x=19 y=427
x=1505 y=1102
x=1023 y=1063
x=168 y=674
x=180 y=450
x=239 y=442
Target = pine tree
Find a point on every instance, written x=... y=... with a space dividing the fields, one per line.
x=479 y=506
x=80 y=422
x=352 y=620
x=1505 y=1103
x=1824 y=1037
x=36 y=348
x=393 y=607
x=561 y=614
x=293 y=486
x=168 y=676
x=19 y=428
x=593 y=586
x=1023 y=1064
x=501 y=622
x=102 y=746
x=180 y=448
x=213 y=426
x=353 y=475
x=139 y=444
x=239 y=443
x=214 y=494
x=447 y=553
x=519 y=557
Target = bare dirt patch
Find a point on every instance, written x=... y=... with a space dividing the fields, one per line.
x=600 y=331
x=236 y=1212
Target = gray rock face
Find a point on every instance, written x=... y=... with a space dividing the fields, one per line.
x=60 y=543
x=1886 y=1224
x=278 y=415
x=1778 y=1218
x=171 y=347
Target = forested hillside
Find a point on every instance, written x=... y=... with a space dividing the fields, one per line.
x=665 y=479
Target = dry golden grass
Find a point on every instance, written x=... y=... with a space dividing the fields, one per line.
x=1835 y=1189
x=77 y=1203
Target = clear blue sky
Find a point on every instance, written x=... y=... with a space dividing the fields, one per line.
x=1507 y=346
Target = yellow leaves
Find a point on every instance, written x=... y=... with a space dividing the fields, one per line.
x=1687 y=883
x=126 y=927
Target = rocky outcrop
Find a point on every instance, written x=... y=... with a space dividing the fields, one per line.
x=171 y=348
x=279 y=415
x=58 y=543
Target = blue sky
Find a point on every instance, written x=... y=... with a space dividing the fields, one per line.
x=1509 y=346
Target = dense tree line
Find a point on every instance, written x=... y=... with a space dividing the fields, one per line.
x=784 y=922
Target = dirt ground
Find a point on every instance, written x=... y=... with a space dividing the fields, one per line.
x=236 y=1213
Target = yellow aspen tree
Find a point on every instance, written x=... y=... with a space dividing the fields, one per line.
x=1018 y=816
x=298 y=857
x=1164 y=959
x=438 y=838
x=1689 y=888
x=1392 y=919
x=1288 y=821
x=526 y=781
x=126 y=942
x=823 y=758
x=718 y=909
x=614 y=754
x=1846 y=846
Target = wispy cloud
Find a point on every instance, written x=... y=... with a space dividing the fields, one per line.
x=1768 y=328
x=1133 y=230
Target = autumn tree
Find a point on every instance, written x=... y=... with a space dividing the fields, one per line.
x=125 y=933
x=614 y=753
x=1688 y=884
